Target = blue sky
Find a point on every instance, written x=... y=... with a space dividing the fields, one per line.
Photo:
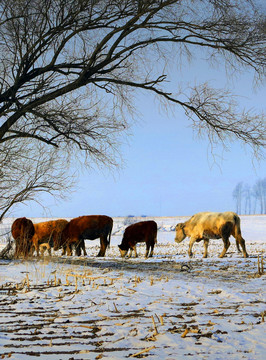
x=168 y=170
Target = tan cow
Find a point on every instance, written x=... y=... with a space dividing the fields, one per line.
x=211 y=225
x=47 y=235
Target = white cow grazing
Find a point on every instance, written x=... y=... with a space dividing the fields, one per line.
x=211 y=225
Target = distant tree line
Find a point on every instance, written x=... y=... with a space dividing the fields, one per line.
x=250 y=199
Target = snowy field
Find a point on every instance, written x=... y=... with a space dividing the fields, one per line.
x=167 y=307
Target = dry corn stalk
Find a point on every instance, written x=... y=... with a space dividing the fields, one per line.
x=67 y=281
x=116 y=310
x=260 y=265
x=154 y=325
x=194 y=331
x=28 y=282
x=185 y=333
x=210 y=323
x=143 y=351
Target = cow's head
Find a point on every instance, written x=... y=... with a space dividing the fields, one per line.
x=180 y=232
x=123 y=250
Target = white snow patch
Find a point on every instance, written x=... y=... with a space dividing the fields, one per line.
x=168 y=306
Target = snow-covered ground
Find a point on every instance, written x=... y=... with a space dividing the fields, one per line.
x=168 y=307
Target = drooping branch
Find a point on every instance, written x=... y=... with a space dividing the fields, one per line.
x=69 y=72
x=124 y=33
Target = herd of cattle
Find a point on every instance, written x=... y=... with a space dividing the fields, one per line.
x=69 y=235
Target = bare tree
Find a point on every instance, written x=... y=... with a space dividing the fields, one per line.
x=247 y=198
x=253 y=198
x=237 y=195
x=264 y=194
x=259 y=194
x=27 y=171
x=69 y=69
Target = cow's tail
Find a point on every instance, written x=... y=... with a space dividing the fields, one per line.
x=109 y=237
x=155 y=240
x=155 y=235
x=238 y=236
x=237 y=227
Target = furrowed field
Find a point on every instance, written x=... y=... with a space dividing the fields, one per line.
x=165 y=307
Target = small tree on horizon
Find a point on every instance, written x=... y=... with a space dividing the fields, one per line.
x=253 y=197
x=237 y=195
x=259 y=193
x=247 y=198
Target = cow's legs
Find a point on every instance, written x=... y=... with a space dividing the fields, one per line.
x=131 y=250
x=206 y=244
x=151 y=247
x=43 y=248
x=78 y=249
x=147 y=250
x=32 y=249
x=19 y=247
x=80 y=245
x=83 y=248
x=151 y=253
x=226 y=246
x=135 y=251
x=226 y=232
x=69 y=249
x=134 y=248
x=241 y=241
x=64 y=250
x=37 y=248
x=237 y=246
x=103 y=245
x=25 y=247
x=35 y=244
x=191 y=242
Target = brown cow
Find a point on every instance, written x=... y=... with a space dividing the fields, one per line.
x=89 y=227
x=47 y=235
x=211 y=225
x=22 y=231
x=143 y=231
